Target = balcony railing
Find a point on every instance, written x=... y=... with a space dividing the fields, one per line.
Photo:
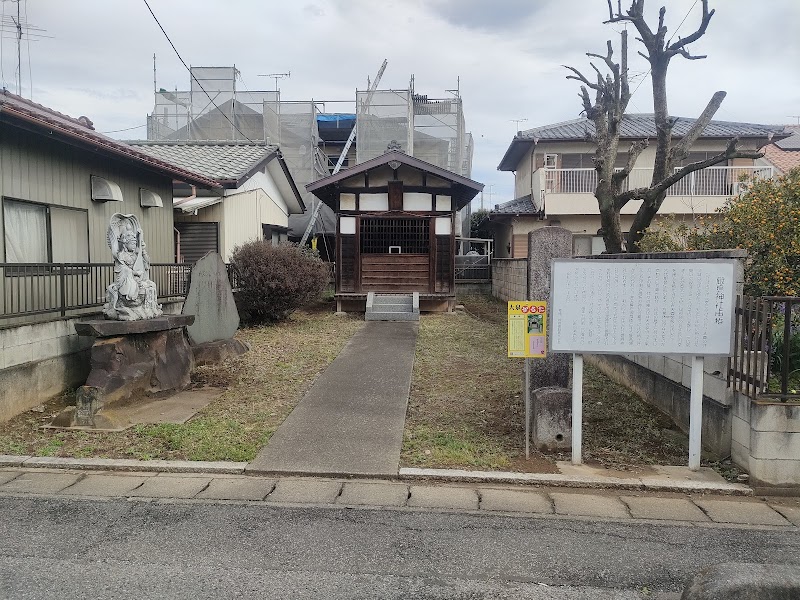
x=712 y=181
x=29 y=291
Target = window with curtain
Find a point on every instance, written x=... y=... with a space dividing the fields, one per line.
x=37 y=233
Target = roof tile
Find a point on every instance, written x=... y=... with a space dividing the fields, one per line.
x=220 y=161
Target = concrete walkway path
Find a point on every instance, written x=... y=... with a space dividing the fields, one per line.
x=351 y=421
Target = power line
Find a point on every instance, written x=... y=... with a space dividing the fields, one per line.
x=192 y=74
x=686 y=16
x=126 y=129
x=30 y=71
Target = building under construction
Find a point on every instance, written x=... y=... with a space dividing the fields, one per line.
x=310 y=139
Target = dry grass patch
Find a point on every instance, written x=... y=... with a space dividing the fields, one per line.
x=466 y=408
x=261 y=389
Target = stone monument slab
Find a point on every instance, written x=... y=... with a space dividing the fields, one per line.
x=545 y=244
x=210 y=299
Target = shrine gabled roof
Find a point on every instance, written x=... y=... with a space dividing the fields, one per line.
x=463 y=188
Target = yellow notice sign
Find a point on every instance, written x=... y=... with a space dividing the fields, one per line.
x=527 y=329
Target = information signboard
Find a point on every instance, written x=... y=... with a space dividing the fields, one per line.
x=644 y=306
x=527 y=329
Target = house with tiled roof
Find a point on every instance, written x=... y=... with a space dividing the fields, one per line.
x=784 y=154
x=555 y=179
x=255 y=197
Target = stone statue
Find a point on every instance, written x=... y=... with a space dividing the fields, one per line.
x=132 y=296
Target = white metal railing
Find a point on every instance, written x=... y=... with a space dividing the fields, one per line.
x=584 y=181
x=711 y=181
x=719 y=181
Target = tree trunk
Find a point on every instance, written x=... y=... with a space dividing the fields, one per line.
x=644 y=216
x=609 y=219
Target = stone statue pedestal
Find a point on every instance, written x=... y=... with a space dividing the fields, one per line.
x=130 y=359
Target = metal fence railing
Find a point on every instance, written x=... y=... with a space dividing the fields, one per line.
x=36 y=291
x=711 y=181
x=473 y=268
x=766 y=358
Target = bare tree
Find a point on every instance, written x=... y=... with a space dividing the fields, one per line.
x=612 y=94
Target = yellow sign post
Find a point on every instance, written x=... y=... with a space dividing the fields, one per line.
x=527 y=329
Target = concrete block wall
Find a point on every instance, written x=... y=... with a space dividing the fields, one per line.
x=41 y=360
x=510 y=278
x=766 y=441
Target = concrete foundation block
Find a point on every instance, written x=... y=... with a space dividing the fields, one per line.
x=775 y=416
x=773 y=472
x=776 y=445
x=551 y=418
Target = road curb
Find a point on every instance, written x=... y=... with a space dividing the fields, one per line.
x=646 y=484
x=576 y=481
x=124 y=464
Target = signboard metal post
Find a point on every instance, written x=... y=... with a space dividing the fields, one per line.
x=527 y=409
x=577 y=408
x=696 y=413
x=527 y=338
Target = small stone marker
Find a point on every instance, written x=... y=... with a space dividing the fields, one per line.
x=210 y=300
x=551 y=408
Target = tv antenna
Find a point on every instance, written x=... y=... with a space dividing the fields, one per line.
x=795 y=117
x=456 y=92
x=517 y=122
x=277 y=76
x=19 y=28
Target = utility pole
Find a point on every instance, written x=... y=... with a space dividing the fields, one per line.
x=14 y=24
x=18 y=23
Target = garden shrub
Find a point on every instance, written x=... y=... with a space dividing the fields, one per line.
x=274 y=281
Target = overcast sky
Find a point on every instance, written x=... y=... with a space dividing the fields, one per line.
x=507 y=53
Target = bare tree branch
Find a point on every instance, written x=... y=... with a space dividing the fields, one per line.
x=673 y=49
x=633 y=154
x=685 y=53
x=681 y=149
x=580 y=77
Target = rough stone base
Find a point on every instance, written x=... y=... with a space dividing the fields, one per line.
x=211 y=353
x=125 y=367
x=551 y=418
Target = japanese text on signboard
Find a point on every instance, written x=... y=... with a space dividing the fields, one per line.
x=527 y=329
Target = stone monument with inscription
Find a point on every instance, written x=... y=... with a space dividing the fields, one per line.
x=210 y=300
x=548 y=379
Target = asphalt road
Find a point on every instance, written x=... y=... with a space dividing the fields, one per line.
x=60 y=547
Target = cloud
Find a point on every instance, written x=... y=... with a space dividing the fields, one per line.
x=501 y=16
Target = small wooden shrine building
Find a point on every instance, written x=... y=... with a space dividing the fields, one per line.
x=395 y=232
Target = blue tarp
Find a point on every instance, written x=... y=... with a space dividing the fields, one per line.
x=335 y=117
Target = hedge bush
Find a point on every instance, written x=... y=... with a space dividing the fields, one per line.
x=274 y=281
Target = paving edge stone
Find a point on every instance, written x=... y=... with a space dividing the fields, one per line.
x=128 y=464
x=10 y=460
x=573 y=481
